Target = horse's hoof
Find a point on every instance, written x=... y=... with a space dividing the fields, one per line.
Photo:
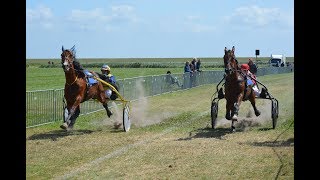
x=70 y=127
x=257 y=113
x=235 y=118
x=233 y=129
x=64 y=126
x=117 y=125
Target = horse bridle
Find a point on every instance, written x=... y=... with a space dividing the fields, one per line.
x=66 y=61
x=67 y=64
x=228 y=68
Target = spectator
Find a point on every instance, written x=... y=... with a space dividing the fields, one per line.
x=198 y=64
x=188 y=77
x=172 y=80
x=193 y=64
x=187 y=67
x=252 y=67
x=109 y=78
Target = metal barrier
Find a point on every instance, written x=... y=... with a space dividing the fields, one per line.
x=46 y=106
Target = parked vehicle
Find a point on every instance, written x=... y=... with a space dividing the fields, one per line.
x=277 y=60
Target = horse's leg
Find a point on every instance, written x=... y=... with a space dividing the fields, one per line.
x=236 y=107
x=234 y=114
x=233 y=128
x=235 y=111
x=109 y=113
x=72 y=109
x=74 y=118
x=228 y=110
x=67 y=120
x=102 y=97
x=252 y=100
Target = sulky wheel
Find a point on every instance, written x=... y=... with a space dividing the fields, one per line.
x=274 y=112
x=214 y=113
x=126 y=118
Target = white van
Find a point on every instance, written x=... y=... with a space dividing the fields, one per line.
x=277 y=60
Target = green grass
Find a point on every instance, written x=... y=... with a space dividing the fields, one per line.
x=53 y=78
x=171 y=138
x=84 y=61
x=40 y=78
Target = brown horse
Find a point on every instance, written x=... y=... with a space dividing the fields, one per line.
x=235 y=87
x=76 y=89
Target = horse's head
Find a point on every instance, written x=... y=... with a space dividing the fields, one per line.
x=230 y=62
x=67 y=58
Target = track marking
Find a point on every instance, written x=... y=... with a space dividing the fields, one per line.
x=124 y=149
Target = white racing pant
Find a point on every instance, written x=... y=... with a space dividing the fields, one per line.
x=256 y=90
x=108 y=93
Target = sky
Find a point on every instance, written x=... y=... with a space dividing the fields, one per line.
x=159 y=28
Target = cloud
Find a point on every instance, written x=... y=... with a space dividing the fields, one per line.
x=254 y=16
x=95 y=19
x=198 y=28
x=40 y=15
x=193 y=18
x=87 y=20
x=99 y=18
x=82 y=16
x=193 y=24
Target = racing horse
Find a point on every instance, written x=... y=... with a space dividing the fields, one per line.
x=236 y=90
x=77 y=89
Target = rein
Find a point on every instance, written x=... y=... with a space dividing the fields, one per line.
x=71 y=68
x=73 y=81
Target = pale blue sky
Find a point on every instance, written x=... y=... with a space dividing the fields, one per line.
x=159 y=28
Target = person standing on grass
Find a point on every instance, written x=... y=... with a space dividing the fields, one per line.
x=198 y=64
x=187 y=67
x=252 y=66
x=172 y=80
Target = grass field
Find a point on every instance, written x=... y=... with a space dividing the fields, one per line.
x=171 y=138
x=181 y=61
x=54 y=78
x=40 y=78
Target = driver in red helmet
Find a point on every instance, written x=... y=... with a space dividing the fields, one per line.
x=250 y=77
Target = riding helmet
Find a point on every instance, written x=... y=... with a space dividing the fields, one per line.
x=245 y=66
x=105 y=67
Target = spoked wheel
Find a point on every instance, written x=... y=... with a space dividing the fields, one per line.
x=274 y=112
x=214 y=113
x=126 y=118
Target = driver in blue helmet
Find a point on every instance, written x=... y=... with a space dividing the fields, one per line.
x=109 y=78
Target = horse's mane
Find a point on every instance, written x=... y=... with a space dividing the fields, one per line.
x=74 y=52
